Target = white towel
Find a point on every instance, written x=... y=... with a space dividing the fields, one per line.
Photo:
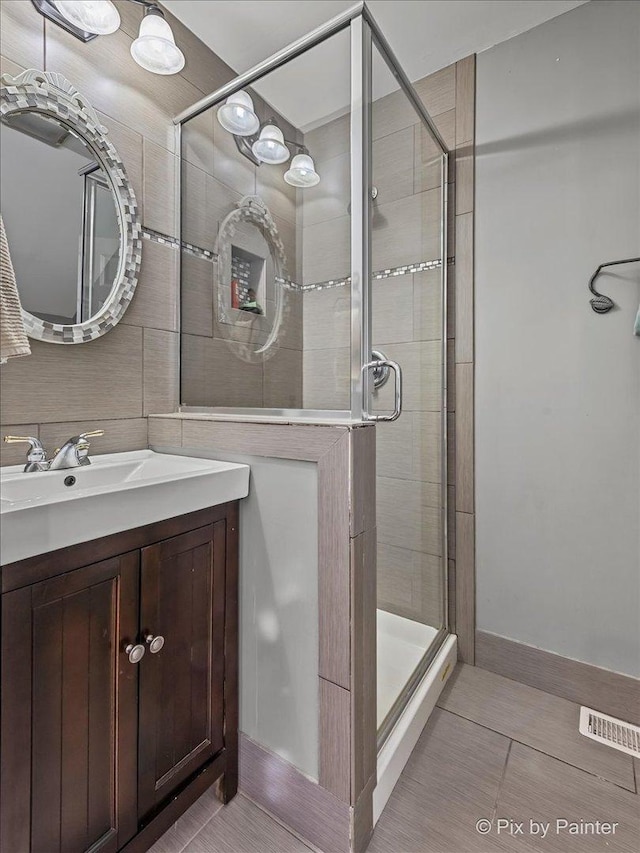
x=13 y=338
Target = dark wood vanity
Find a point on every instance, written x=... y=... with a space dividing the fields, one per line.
x=103 y=749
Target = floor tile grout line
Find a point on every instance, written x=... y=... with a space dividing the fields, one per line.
x=494 y=810
x=206 y=823
x=541 y=751
x=280 y=823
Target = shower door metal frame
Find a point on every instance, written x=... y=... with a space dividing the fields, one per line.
x=364 y=33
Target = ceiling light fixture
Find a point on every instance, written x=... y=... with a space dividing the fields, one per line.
x=270 y=147
x=237 y=115
x=155 y=48
x=302 y=172
x=99 y=17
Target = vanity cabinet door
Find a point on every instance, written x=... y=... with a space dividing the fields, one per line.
x=181 y=683
x=68 y=708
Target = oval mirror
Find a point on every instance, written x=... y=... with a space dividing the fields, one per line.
x=69 y=212
x=251 y=281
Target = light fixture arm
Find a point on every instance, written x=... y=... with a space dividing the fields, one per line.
x=244 y=143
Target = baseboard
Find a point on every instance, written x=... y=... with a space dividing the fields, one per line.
x=295 y=800
x=601 y=689
x=404 y=736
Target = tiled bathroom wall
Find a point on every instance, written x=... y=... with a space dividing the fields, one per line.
x=215 y=369
x=115 y=381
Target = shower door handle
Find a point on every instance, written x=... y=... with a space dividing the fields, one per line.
x=397 y=371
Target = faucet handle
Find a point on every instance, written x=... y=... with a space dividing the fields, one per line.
x=36 y=456
x=93 y=434
x=14 y=439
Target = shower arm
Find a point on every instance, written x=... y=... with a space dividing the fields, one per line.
x=602 y=304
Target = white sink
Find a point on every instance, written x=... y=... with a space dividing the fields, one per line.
x=44 y=511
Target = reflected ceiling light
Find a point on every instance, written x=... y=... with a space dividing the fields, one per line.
x=270 y=147
x=302 y=172
x=237 y=115
x=92 y=16
x=155 y=48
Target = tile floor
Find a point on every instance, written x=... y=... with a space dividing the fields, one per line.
x=493 y=749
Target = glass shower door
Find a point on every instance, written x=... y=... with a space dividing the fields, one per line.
x=407 y=322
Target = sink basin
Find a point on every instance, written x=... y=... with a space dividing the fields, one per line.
x=48 y=510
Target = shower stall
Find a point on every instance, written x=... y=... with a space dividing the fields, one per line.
x=314 y=265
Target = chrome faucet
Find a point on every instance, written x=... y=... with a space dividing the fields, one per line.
x=72 y=454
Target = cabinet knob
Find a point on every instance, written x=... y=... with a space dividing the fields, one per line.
x=136 y=653
x=155 y=643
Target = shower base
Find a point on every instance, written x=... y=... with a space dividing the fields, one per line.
x=402 y=644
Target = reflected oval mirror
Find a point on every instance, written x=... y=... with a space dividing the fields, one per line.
x=251 y=281
x=68 y=210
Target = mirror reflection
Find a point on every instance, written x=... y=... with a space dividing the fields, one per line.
x=60 y=217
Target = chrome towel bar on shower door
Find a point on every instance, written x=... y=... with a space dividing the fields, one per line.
x=397 y=410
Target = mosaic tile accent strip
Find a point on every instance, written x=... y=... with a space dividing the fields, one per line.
x=406 y=269
x=166 y=240
x=52 y=95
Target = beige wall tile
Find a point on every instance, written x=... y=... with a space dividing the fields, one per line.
x=428 y=169
x=197 y=141
x=465 y=164
x=154 y=302
x=392 y=165
x=160 y=171
x=427 y=446
x=464 y=287
x=410 y=584
x=422 y=380
x=464 y=438
x=465 y=99
x=326 y=382
x=327 y=250
x=276 y=193
x=465 y=586
x=119 y=436
x=161 y=350
x=391 y=113
x=409 y=515
x=15 y=454
x=7 y=66
x=128 y=144
x=22 y=33
x=105 y=73
x=427 y=305
x=197 y=300
x=406 y=231
x=282 y=383
x=290 y=335
x=213 y=374
x=330 y=198
x=409 y=448
x=392 y=310
x=327 y=318
x=165 y=432
x=330 y=139
x=438 y=91
x=98 y=380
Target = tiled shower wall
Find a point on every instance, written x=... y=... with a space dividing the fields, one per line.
x=406 y=319
x=215 y=177
x=113 y=382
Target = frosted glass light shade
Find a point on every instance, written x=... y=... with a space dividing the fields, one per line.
x=270 y=147
x=92 y=16
x=237 y=116
x=155 y=48
x=302 y=172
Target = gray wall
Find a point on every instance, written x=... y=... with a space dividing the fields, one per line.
x=558 y=387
